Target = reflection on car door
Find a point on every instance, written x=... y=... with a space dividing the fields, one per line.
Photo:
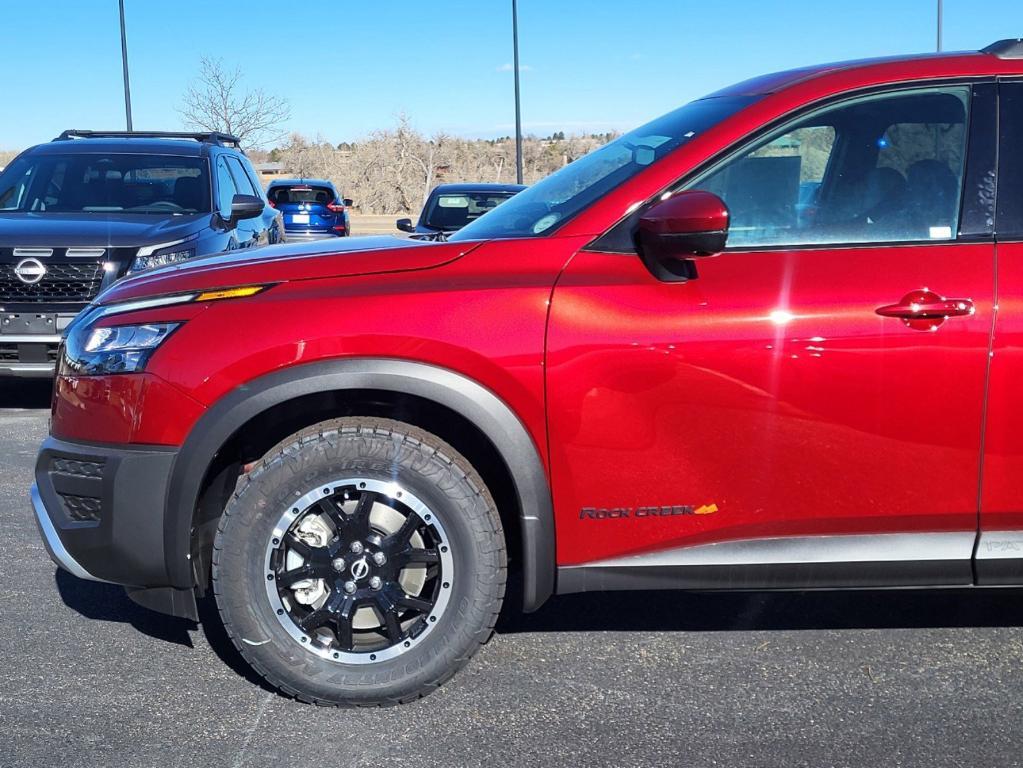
x=763 y=424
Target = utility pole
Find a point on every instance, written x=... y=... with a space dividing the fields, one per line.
x=939 y=26
x=518 y=109
x=124 y=66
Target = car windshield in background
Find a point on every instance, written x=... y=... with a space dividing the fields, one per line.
x=105 y=183
x=453 y=211
x=303 y=194
x=554 y=200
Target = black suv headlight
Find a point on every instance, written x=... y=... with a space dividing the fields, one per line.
x=153 y=256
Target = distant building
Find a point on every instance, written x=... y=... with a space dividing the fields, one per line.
x=269 y=170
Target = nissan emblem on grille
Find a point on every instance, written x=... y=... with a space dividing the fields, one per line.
x=30 y=271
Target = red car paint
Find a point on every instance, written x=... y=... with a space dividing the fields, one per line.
x=769 y=389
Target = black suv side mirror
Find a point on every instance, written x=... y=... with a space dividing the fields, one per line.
x=244 y=207
x=348 y=202
x=405 y=225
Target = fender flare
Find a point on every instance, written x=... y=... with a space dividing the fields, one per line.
x=491 y=415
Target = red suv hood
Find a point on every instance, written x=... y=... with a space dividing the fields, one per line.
x=279 y=263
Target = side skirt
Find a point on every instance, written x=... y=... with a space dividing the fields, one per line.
x=999 y=558
x=807 y=562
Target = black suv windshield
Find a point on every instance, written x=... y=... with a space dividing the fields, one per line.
x=454 y=210
x=552 y=201
x=105 y=183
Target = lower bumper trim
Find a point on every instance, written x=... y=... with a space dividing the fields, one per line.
x=52 y=541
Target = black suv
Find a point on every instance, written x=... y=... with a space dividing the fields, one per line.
x=89 y=207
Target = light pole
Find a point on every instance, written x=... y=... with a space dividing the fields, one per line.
x=124 y=66
x=518 y=110
x=939 y=26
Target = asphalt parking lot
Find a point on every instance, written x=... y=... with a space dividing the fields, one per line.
x=815 y=679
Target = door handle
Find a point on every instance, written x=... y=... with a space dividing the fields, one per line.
x=925 y=310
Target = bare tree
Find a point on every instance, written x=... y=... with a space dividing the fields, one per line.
x=217 y=101
x=393 y=170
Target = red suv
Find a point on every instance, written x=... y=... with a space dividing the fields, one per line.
x=773 y=339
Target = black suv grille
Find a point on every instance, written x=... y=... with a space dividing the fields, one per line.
x=74 y=282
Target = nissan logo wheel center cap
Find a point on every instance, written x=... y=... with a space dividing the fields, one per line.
x=30 y=271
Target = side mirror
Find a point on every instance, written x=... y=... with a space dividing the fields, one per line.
x=245 y=207
x=348 y=202
x=405 y=225
x=688 y=225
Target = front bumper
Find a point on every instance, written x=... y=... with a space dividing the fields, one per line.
x=100 y=510
x=29 y=355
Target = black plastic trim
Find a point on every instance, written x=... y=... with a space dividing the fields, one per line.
x=837 y=575
x=126 y=545
x=479 y=405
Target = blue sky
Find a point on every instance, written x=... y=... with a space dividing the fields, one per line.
x=349 y=68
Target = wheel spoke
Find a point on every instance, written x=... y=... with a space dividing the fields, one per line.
x=329 y=508
x=414 y=603
x=298 y=545
x=305 y=571
x=343 y=624
x=417 y=556
x=315 y=619
x=387 y=612
x=400 y=537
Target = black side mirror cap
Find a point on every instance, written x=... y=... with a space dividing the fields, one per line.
x=348 y=202
x=405 y=225
x=245 y=207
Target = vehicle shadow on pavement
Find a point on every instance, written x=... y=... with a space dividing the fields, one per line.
x=108 y=602
x=745 y=611
x=25 y=393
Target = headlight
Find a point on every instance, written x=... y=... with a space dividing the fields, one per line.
x=153 y=256
x=113 y=349
x=142 y=263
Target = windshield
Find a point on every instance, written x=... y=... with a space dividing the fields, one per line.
x=105 y=183
x=540 y=208
x=448 y=212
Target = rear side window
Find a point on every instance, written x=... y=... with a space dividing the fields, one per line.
x=301 y=193
x=99 y=183
x=881 y=168
x=241 y=179
x=226 y=189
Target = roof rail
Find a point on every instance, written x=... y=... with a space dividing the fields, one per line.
x=1006 y=49
x=206 y=137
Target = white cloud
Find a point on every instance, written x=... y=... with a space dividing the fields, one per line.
x=508 y=67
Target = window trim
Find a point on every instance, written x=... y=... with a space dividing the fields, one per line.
x=609 y=241
x=1014 y=228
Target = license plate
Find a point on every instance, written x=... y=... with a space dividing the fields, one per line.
x=300 y=218
x=28 y=322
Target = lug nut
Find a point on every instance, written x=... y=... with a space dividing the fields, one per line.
x=375 y=583
x=350 y=587
x=379 y=558
x=356 y=547
x=338 y=563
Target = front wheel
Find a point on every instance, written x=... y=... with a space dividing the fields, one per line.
x=362 y=563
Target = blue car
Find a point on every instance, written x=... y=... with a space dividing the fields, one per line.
x=312 y=208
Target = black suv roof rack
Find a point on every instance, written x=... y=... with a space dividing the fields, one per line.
x=1006 y=49
x=206 y=137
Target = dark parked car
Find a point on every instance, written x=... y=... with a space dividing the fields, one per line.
x=89 y=207
x=451 y=206
x=312 y=208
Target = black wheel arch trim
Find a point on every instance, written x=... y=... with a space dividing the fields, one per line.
x=481 y=406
